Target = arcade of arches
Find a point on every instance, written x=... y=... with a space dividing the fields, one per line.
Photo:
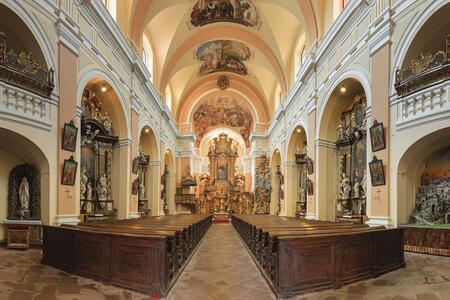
x=161 y=110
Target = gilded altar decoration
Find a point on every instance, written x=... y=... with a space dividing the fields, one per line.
x=223 y=190
x=23 y=70
x=424 y=70
x=262 y=185
x=97 y=155
x=236 y=11
x=223 y=56
x=223 y=112
x=24 y=193
x=351 y=135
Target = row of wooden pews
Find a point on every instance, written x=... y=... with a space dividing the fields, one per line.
x=146 y=254
x=297 y=256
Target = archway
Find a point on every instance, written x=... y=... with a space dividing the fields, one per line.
x=104 y=162
x=342 y=155
x=169 y=183
x=296 y=174
x=277 y=201
x=423 y=171
x=148 y=198
x=15 y=151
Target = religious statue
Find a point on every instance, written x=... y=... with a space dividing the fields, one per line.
x=345 y=187
x=164 y=183
x=89 y=191
x=340 y=131
x=24 y=194
x=302 y=192
x=141 y=190
x=102 y=188
x=356 y=189
x=364 y=183
x=83 y=183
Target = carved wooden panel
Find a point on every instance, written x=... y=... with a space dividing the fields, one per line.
x=356 y=257
x=57 y=248
x=92 y=255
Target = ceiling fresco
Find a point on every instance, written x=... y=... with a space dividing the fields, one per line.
x=223 y=55
x=223 y=112
x=237 y=11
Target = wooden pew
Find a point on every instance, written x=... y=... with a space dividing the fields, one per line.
x=297 y=256
x=145 y=254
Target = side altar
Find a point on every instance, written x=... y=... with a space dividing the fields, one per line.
x=222 y=191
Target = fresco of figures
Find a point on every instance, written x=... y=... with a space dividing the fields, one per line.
x=237 y=11
x=223 y=55
x=223 y=112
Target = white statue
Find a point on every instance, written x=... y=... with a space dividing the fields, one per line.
x=83 y=183
x=24 y=194
x=364 y=183
x=340 y=131
x=102 y=188
x=356 y=189
x=302 y=194
x=141 y=191
x=89 y=191
x=345 y=187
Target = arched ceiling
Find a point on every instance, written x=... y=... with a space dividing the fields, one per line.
x=272 y=43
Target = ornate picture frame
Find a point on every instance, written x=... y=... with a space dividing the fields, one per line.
x=69 y=172
x=310 y=187
x=69 y=138
x=377 y=172
x=309 y=165
x=377 y=138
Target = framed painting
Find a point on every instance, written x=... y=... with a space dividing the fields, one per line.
x=69 y=139
x=377 y=172
x=69 y=171
x=377 y=138
x=309 y=165
x=310 y=187
x=222 y=172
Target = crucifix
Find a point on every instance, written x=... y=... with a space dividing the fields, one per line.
x=67 y=191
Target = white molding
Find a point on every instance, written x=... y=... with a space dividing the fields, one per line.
x=311 y=216
x=66 y=219
x=380 y=33
x=68 y=33
x=379 y=221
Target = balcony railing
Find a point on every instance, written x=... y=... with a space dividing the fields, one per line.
x=24 y=71
x=424 y=71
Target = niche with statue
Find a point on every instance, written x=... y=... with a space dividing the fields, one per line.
x=97 y=141
x=351 y=149
x=24 y=193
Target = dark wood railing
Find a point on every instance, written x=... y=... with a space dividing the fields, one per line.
x=424 y=71
x=24 y=71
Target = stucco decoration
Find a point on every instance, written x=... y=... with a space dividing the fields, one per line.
x=222 y=112
x=223 y=55
x=236 y=11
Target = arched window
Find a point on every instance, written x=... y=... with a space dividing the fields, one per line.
x=300 y=53
x=169 y=97
x=147 y=54
x=111 y=6
x=277 y=97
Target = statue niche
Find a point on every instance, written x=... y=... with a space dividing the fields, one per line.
x=222 y=190
x=351 y=147
x=24 y=193
x=97 y=141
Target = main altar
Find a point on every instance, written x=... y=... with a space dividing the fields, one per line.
x=222 y=191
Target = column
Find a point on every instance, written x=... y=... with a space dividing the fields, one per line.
x=311 y=202
x=68 y=205
x=133 y=205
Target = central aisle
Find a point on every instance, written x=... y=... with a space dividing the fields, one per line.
x=221 y=269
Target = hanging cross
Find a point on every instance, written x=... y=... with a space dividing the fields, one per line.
x=67 y=191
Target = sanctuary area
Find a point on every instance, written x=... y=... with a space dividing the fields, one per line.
x=225 y=149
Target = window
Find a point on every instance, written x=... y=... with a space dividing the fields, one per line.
x=147 y=54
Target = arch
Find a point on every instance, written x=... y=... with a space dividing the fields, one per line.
x=350 y=73
x=39 y=35
x=237 y=85
x=222 y=32
x=410 y=167
x=16 y=149
x=295 y=138
x=169 y=160
x=155 y=145
x=94 y=73
x=307 y=10
x=410 y=33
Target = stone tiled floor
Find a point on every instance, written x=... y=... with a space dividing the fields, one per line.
x=220 y=269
